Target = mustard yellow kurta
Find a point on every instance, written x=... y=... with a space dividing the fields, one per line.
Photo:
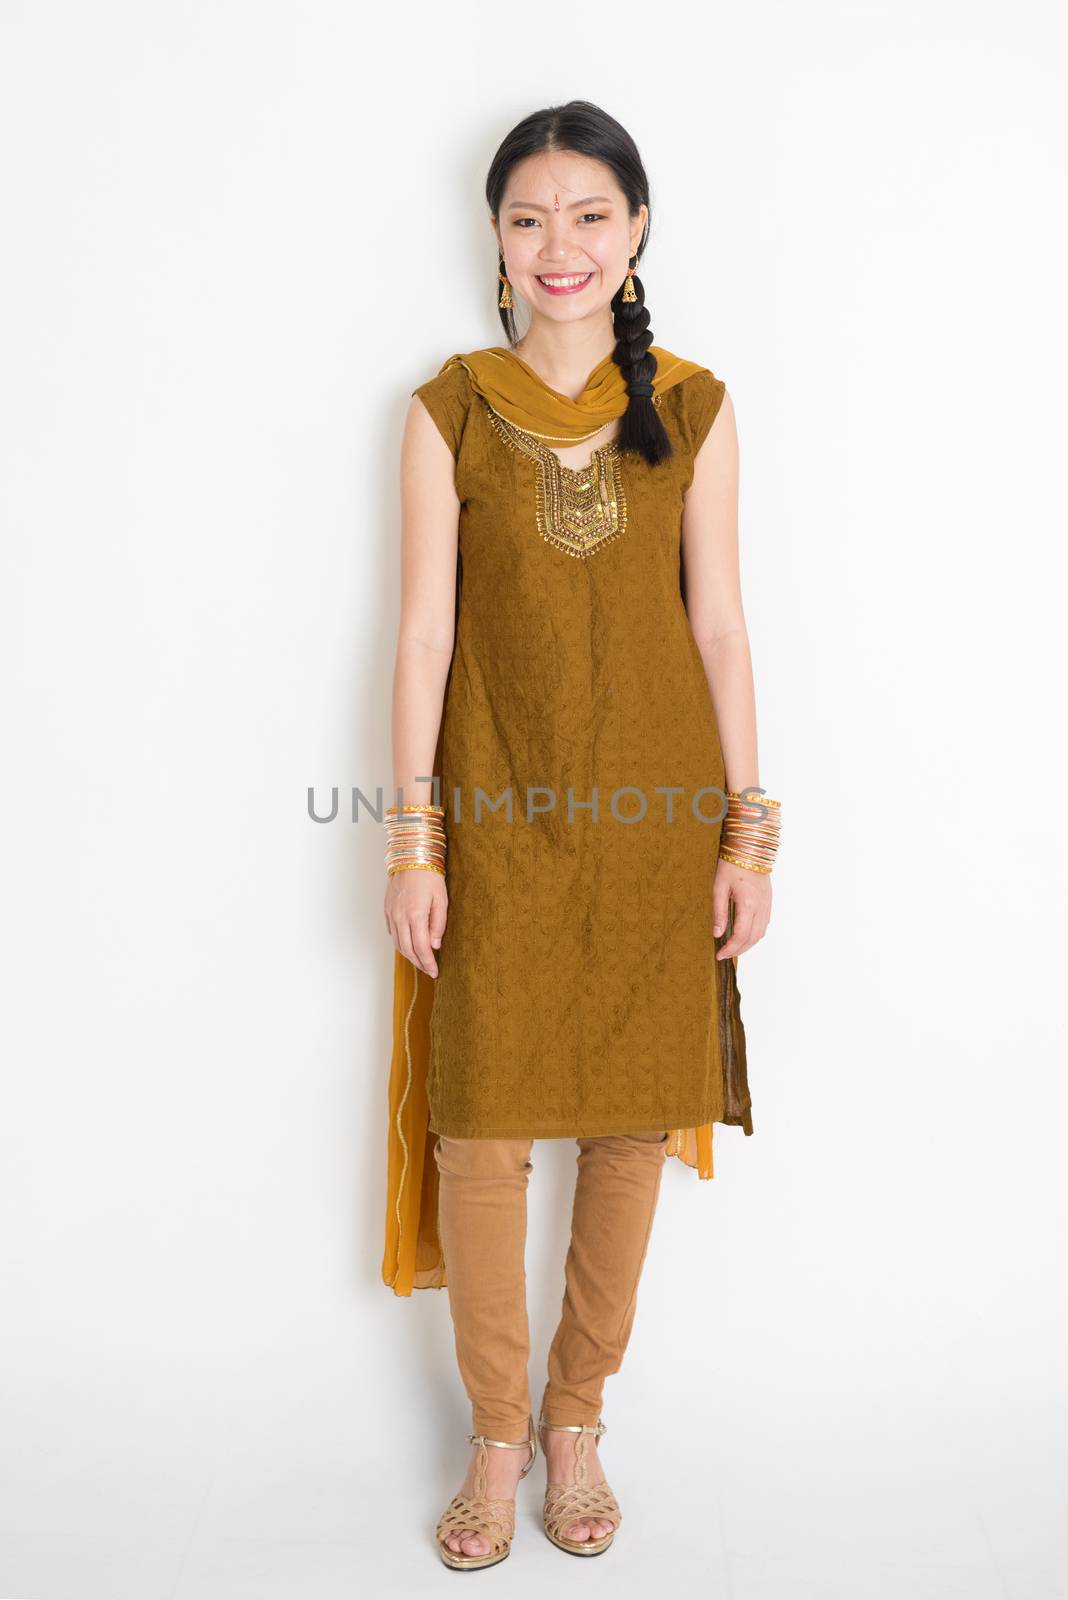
x=578 y=990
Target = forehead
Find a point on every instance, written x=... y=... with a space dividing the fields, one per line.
x=561 y=172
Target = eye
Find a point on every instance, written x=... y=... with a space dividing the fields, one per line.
x=519 y=221
x=596 y=215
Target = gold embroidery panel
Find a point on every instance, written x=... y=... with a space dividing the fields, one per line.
x=579 y=509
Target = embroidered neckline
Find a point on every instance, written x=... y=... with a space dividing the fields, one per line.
x=579 y=509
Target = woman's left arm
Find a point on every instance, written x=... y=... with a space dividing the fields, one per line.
x=713 y=598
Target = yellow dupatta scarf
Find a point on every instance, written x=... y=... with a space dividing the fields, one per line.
x=413 y=1257
x=517 y=393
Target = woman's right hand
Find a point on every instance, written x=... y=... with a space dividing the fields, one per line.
x=416 y=908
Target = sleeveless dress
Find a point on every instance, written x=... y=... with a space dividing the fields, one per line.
x=578 y=992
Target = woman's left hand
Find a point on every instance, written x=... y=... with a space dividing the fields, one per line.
x=751 y=893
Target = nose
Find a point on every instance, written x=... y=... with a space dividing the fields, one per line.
x=556 y=251
x=557 y=256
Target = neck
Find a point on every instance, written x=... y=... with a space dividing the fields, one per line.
x=565 y=353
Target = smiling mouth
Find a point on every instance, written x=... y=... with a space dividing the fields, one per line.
x=563 y=283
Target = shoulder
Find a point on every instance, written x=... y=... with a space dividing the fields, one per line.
x=447 y=396
x=452 y=378
x=694 y=401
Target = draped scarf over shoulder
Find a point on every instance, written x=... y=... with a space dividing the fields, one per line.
x=517 y=393
x=413 y=1257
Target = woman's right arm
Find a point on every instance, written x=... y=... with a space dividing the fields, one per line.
x=416 y=901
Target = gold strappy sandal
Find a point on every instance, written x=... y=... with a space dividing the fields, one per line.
x=566 y=1503
x=494 y=1519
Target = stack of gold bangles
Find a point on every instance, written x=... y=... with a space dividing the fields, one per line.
x=750 y=833
x=415 y=838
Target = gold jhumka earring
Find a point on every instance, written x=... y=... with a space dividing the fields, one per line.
x=505 y=300
x=629 y=297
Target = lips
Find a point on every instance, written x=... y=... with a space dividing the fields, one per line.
x=564 y=282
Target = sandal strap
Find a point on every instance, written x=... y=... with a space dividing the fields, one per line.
x=482 y=1440
x=576 y=1428
x=566 y=1503
x=570 y=1427
x=495 y=1519
x=499 y=1444
x=583 y=1430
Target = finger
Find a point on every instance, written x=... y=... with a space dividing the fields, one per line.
x=754 y=931
x=438 y=916
x=404 y=941
x=420 y=927
x=750 y=926
x=721 y=899
x=739 y=939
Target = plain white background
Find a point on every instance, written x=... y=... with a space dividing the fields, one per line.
x=236 y=237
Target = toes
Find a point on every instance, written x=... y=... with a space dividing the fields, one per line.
x=467 y=1544
x=583 y=1532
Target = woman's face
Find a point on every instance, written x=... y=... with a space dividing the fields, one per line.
x=564 y=216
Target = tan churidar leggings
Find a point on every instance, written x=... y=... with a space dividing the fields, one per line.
x=482 y=1220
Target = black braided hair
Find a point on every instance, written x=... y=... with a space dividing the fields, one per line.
x=641 y=429
x=583 y=128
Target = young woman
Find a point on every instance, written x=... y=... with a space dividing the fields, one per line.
x=568 y=899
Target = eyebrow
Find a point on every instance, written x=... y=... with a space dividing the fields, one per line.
x=528 y=205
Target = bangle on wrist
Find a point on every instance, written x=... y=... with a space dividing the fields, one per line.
x=415 y=839
x=750 y=833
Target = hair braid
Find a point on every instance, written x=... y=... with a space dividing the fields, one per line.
x=641 y=429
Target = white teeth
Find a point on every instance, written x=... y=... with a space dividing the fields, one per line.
x=564 y=283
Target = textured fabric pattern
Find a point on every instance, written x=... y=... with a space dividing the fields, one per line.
x=482 y=1210
x=578 y=988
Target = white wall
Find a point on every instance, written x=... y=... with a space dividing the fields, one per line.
x=237 y=235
